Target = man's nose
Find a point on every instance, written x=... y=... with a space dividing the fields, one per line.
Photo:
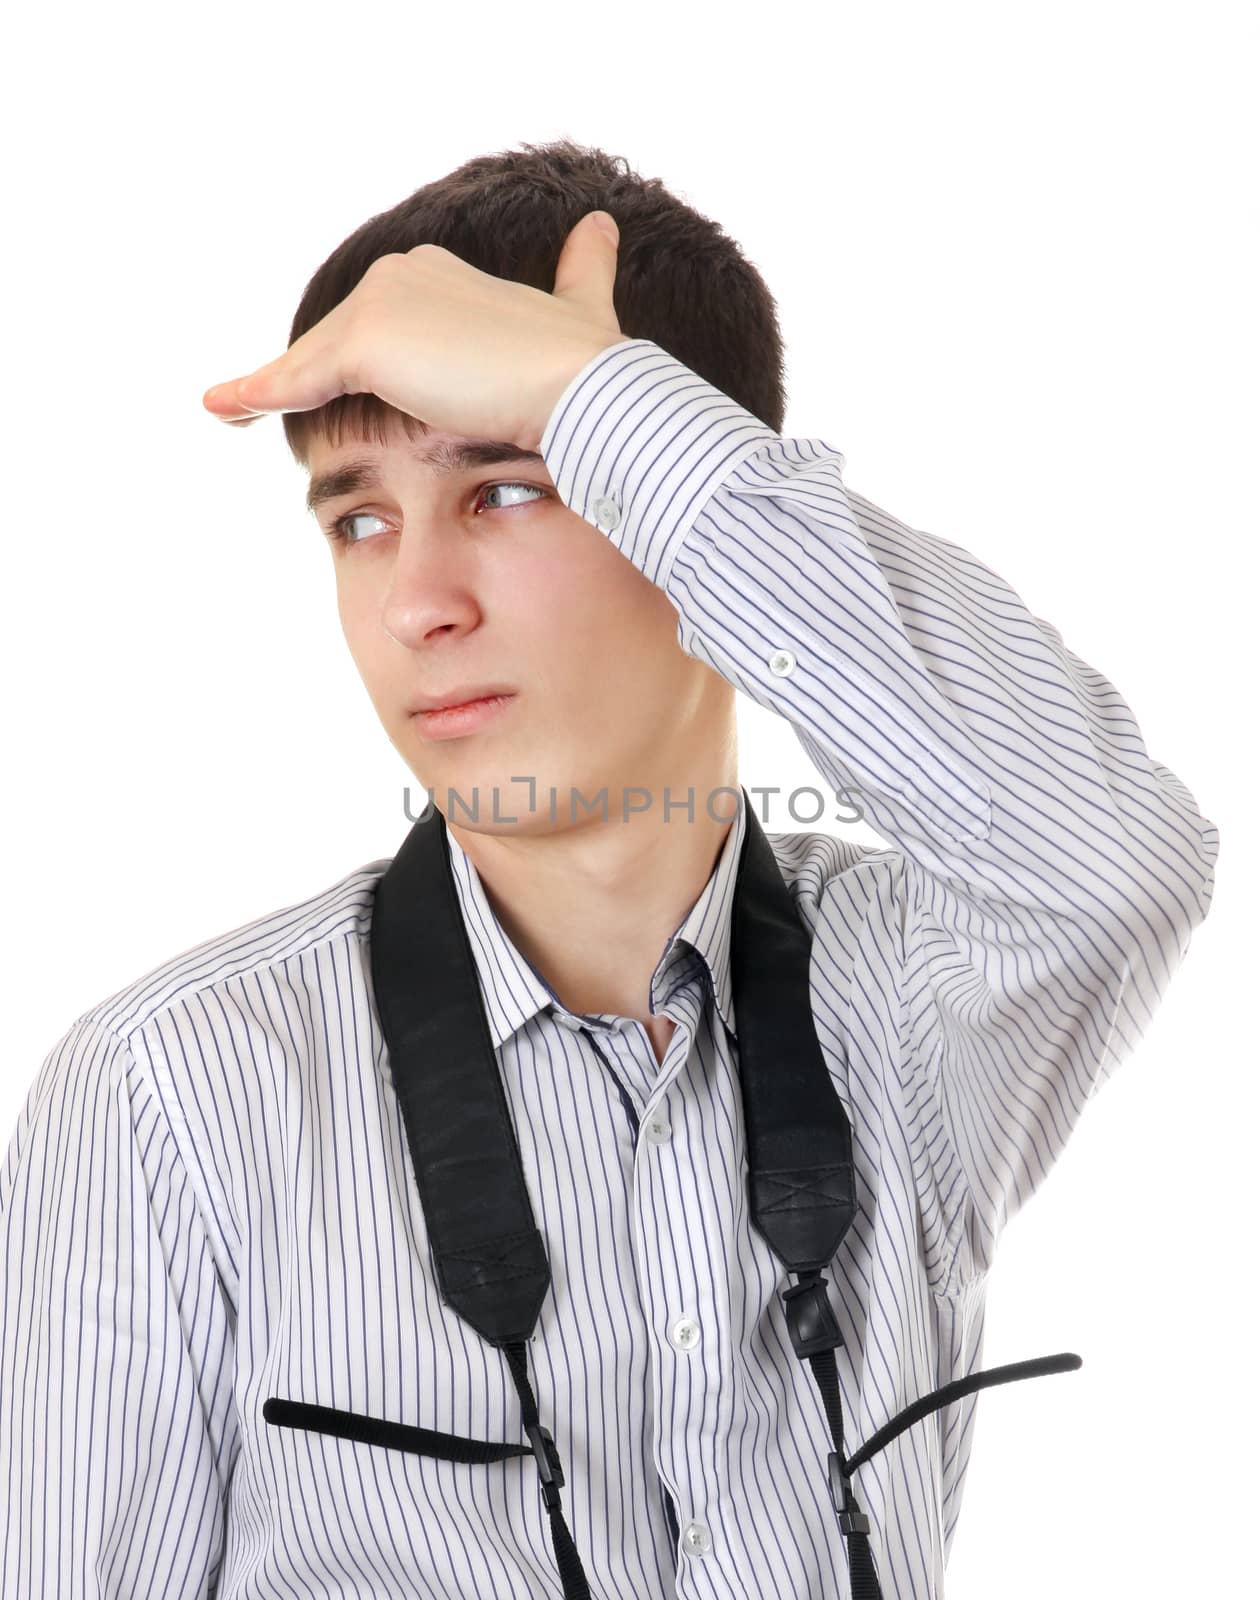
x=430 y=588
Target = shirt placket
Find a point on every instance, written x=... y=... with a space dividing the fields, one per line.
x=625 y=1053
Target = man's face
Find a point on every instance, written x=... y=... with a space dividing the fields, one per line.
x=453 y=581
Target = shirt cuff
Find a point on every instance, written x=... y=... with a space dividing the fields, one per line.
x=638 y=443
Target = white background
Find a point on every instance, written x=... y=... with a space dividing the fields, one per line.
x=1015 y=254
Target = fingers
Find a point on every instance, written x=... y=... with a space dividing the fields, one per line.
x=225 y=401
x=312 y=371
x=279 y=386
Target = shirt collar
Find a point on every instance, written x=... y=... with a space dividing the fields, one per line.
x=513 y=991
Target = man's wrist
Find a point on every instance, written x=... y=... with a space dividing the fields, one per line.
x=533 y=435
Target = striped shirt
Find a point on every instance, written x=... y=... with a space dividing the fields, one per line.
x=208 y=1201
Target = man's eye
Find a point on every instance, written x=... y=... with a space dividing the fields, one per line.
x=534 y=488
x=341 y=531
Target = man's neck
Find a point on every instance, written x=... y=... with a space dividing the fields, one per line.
x=591 y=905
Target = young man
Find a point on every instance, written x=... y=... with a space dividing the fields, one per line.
x=252 y=1211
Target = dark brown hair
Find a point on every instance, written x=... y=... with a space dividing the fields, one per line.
x=681 y=281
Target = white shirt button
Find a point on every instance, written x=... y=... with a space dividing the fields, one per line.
x=607 y=512
x=685 y=1334
x=566 y=1021
x=781 y=663
x=696 y=1539
x=658 y=1130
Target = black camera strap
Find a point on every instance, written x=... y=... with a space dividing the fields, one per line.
x=488 y=1253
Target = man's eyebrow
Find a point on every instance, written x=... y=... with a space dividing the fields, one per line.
x=352 y=477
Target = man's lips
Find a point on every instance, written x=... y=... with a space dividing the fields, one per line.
x=464 y=695
x=450 y=721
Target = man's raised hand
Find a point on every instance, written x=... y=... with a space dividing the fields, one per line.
x=459 y=349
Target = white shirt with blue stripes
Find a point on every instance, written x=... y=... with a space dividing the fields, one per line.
x=208 y=1197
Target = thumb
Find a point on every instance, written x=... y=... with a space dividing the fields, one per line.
x=587 y=266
